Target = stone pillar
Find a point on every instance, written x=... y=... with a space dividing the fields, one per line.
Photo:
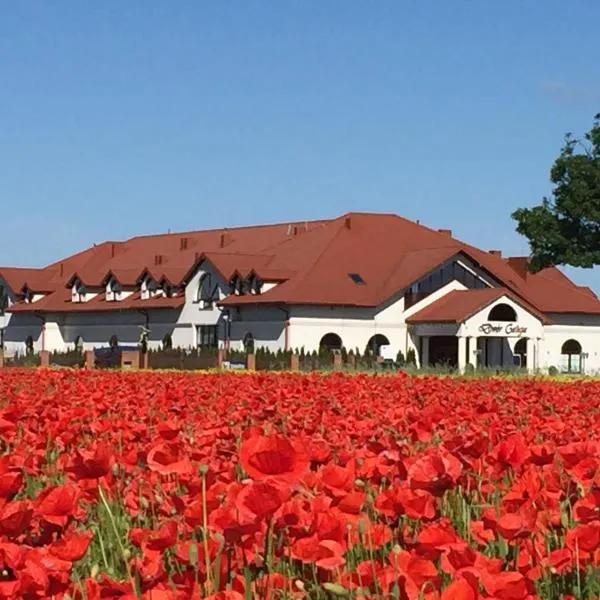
x=337 y=361
x=44 y=358
x=90 y=361
x=295 y=362
x=130 y=359
x=1 y=358
x=251 y=362
x=462 y=353
x=424 y=351
x=531 y=355
x=143 y=360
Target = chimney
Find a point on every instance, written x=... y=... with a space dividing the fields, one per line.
x=113 y=250
x=497 y=253
x=295 y=230
x=348 y=222
x=62 y=269
x=183 y=243
x=158 y=259
x=447 y=232
x=520 y=265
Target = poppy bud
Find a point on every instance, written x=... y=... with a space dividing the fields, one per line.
x=336 y=589
x=359 y=483
x=94 y=572
x=203 y=469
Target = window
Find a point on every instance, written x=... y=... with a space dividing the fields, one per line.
x=78 y=292
x=571 y=353
x=207 y=292
x=206 y=336
x=439 y=278
x=356 y=278
x=113 y=342
x=114 y=291
x=78 y=344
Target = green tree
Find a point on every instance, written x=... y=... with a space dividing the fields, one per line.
x=565 y=229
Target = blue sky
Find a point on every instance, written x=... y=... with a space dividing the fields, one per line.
x=121 y=118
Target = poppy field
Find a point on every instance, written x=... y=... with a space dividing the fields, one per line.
x=231 y=486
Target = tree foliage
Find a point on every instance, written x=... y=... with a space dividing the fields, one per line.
x=565 y=229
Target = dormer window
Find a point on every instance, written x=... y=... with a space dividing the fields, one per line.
x=113 y=291
x=237 y=286
x=27 y=295
x=78 y=292
x=149 y=288
x=256 y=286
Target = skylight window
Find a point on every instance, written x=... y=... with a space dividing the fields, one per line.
x=356 y=278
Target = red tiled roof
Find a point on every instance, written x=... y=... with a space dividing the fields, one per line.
x=60 y=301
x=313 y=262
x=459 y=305
x=37 y=280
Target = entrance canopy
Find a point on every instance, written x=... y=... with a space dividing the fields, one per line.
x=485 y=327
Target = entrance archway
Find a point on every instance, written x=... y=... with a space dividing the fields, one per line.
x=330 y=342
x=571 y=351
x=376 y=342
x=443 y=350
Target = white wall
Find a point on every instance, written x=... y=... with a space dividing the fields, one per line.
x=586 y=332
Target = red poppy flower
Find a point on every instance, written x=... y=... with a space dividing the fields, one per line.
x=169 y=459
x=434 y=473
x=273 y=456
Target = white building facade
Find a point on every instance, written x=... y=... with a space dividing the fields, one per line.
x=437 y=299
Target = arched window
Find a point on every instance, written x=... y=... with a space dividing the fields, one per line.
x=29 y=345
x=502 y=312
x=248 y=343
x=330 y=342
x=571 y=350
x=520 y=353
x=113 y=342
x=375 y=343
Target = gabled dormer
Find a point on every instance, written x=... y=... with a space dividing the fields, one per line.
x=166 y=289
x=149 y=288
x=114 y=290
x=78 y=291
x=254 y=283
x=238 y=286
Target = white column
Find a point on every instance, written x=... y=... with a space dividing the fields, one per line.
x=462 y=353
x=424 y=351
x=531 y=355
x=542 y=359
x=472 y=354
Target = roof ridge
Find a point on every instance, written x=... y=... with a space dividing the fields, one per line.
x=228 y=229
